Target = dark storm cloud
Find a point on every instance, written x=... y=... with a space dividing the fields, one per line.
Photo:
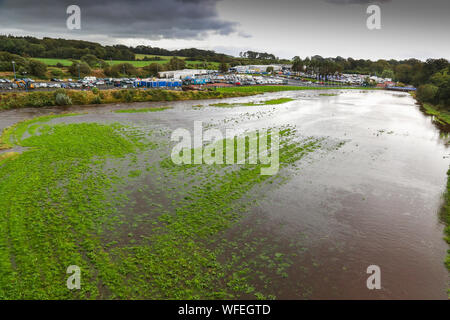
x=117 y=18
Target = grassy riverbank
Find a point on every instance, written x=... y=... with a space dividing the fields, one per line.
x=442 y=116
x=38 y=99
x=446 y=218
x=12 y=100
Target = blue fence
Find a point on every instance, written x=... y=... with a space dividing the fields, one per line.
x=157 y=84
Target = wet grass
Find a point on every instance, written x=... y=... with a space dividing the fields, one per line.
x=7 y=155
x=66 y=201
x=441 y=116
x=142 y=110
x=328 y=94
x=253 y=104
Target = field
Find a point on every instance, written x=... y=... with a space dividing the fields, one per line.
x=137 y=64
x=54 y=62
x=253 y=104
x=106 y=198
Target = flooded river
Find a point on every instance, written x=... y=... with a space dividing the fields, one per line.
x=373 y=201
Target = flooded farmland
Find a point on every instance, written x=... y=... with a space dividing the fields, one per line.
x=364 y=187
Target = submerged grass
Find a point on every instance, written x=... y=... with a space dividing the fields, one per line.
x=61 y=205
x=142 y=110
x=327 y=94
x=253 y=104
x=441 y=116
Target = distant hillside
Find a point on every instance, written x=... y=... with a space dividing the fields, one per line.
x=75 y=49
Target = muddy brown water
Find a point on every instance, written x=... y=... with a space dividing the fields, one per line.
x=374 y=201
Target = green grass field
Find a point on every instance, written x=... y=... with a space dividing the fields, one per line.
x=54 y=62
x=137 y=64
x=77 y=196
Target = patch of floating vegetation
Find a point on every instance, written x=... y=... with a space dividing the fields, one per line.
x=64 y=201
x=328 y=94
x=13 y=134
x=141 y=110
x=7 y=155
x=252 y=104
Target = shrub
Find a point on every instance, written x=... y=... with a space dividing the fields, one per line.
x=129 y=96
x=56 y=73
x=95 y=90
x=117 y=94
x=96 y=100
x=37 y=68
x=82 y=67
x=78 y=98
x=62 y=99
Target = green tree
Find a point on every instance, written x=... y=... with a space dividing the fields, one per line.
x=126 y=69
x=297 y=64
x=404 y=73
x=82 y=67
x=387 y=73
x=37 y=68
x=224 y=67
x=90 y=59
x=427 y=93
x=175 y=64
x=152 y=69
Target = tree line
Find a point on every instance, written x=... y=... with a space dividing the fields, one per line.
x=75 y=49
x=431 y=77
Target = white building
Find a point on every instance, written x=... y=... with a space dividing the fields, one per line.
x=181 y=74
x=261 y=68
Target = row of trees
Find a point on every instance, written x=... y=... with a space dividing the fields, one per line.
x=62 y=48
x=23 y=66
x=411 y=71
x=437 y=90
x=86 y=63
x=432 y=77
x=75 y=49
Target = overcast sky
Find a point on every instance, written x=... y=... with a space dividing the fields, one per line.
x=410 y=28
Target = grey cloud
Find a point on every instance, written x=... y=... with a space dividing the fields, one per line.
x=152 y=19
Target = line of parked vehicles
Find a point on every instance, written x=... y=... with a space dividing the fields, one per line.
x=237 y=79
x=87 y=82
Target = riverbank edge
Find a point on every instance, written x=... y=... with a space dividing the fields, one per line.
x=38 y=99
x=442 y=121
